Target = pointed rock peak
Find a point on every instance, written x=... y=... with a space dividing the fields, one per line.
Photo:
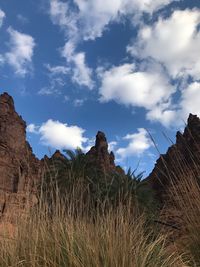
x=6 y=100
x=193 y=120
x=45 y=157
x=6 y=96
x=100 y=139
x=192 y=130
x=58 y=155
x=99 y=156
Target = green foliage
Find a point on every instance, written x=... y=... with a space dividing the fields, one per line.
x=73 y=175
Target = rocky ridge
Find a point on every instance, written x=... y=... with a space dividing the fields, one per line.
x=182 y=159
x=21 y=171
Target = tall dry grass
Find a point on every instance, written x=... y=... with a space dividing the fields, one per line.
x=117 y=237
x=185 y=198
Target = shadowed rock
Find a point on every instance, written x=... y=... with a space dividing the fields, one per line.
x=181 y=160
x=99 y=156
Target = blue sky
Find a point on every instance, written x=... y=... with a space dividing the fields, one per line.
x=125 y=67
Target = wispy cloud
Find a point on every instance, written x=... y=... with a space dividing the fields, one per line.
x=21 y=52
x=57 y=80
x=2 y=17
x=81 y=73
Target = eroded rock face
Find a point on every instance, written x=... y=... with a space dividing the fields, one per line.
x=99 y=156
x=182 y=159
x=19 y=168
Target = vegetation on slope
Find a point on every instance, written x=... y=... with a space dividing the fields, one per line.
x=88 y=218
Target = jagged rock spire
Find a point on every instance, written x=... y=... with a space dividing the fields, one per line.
x=99 y=155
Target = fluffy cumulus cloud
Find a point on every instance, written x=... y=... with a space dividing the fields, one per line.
x=173 y=41
x=138 y=143
x=92 y=17
x=59 y=135
x=81 y=73
x=2 y=17
x=148 y=89
x=21 y=51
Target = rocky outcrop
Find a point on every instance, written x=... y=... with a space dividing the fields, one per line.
x=182 y=159
x=19 y=168
x=99 y=157
x=18 y=165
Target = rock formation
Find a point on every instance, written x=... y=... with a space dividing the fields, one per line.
x=99 y=156
x=18 y=165
x=182 y=159
x=19 y=168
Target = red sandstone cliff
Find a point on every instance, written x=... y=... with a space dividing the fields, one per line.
x=18 y=165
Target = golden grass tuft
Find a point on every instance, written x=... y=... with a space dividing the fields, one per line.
x=117 y=238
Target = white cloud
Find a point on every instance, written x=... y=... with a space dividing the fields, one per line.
x=94 y=16
x=78 y=102
x=2 y=17
x=190 y=100
x=21 y=51
x=54 y=87
x=164 y=114
x=2 y=60
x=188 y=103
x=82 y=74
x=59 y=135
x=138 y=143
x=32 y=128
x=86 y=20
x=147 y=89
x=57 y=80
x=112 y=145
x=137 y=88
x=57 y=69
x=173 y=41
x=61 y=15
x=22 y=19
